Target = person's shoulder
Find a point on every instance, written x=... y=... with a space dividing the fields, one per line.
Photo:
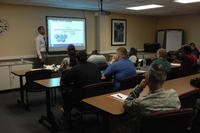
x=171 y=91
x=91 y=64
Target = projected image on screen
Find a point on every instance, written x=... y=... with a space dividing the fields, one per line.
x=64 y=31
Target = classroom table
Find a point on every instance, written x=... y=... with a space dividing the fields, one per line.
x=115 y=107
x=49 y=84
x=21 y=74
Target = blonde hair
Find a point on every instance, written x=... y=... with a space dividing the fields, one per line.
x=162 y=53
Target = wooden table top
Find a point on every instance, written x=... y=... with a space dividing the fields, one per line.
x=115 y=107
x=49 y=83
x=20 y=72
x=23 y=72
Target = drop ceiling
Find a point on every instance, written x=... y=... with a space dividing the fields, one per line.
x=171 y=8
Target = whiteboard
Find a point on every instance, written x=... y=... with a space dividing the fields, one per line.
x=160 y=38
x=173 y=40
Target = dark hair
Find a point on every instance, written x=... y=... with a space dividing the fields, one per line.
x=95 y=52
x=192 y=44
x=187 y=49
x=123 y=51
x=157 y=74
x=40 y=27
x=82 y=57
x=72 y=55
x=133 y=51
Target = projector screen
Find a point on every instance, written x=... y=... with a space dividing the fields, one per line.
x=62 y=31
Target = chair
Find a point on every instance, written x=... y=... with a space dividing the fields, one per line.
x=188 y=100
x=72 y=96
x=30 y=86
x=102 y=66
x=166 y=121
x=130 y=82
x=97 y=89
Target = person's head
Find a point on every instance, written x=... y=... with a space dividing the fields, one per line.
x=95 y=52
x=187 y=49
x=155 y=76
x=161 y=53
x=193 y=46
x=72 y=54
x=41 y=30
x=81 y=57
x=121 y=52
x=71 y=49
x=133 y=51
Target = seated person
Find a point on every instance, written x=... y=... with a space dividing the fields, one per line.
x=195 y=50
x=158 y=99
x=188 y=61
x=120 y=67
x=133 y=55
x=162 y=59
x=98 y=59
x=70 y=61
x=84 y=73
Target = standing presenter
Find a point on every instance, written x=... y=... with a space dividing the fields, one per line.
x=41 y=46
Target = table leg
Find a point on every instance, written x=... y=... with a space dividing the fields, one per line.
x=49 y=115
x=21 y=100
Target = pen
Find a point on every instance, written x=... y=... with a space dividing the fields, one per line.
x=119 y=96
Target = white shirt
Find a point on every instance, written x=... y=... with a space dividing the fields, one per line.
x=97 y=59
x=133 y=58
x=40 y=45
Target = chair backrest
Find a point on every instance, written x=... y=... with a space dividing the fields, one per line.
x=166 y=121
x=102 y=66
x=31 y=76
x=97 y=89
x=188 y=99
x=130 y=82
x=72 y=95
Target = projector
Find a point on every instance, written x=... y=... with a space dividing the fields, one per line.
x=102 y=13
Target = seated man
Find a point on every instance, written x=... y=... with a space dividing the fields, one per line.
x=121 y=67
x=82 y=74
x=162 y=59
x=158 y=99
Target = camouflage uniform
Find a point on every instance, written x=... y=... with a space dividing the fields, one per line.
x=136 y=107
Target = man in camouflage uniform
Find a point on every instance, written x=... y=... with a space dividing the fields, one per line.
x=158 y=99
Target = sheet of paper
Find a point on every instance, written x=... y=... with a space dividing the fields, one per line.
x=119 y=96
x=175 y=64
x=140 y=71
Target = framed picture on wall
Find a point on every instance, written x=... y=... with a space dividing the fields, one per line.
x=118 y=32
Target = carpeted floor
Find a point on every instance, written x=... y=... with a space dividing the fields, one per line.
x=14 y=119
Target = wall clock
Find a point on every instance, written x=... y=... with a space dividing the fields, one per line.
x=3 y=26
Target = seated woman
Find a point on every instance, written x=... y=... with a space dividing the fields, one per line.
x=162 y=59
x=133 y=56
x=98 y=59
x=158 y=99
x=195 y=50
x=70 y=61
x=188 y=61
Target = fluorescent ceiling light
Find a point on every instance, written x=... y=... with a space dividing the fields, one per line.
x=186 y=1
x=144 y=7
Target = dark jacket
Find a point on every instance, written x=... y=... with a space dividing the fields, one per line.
x=81 y=74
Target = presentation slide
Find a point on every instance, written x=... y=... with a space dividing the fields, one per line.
x=64 y=31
